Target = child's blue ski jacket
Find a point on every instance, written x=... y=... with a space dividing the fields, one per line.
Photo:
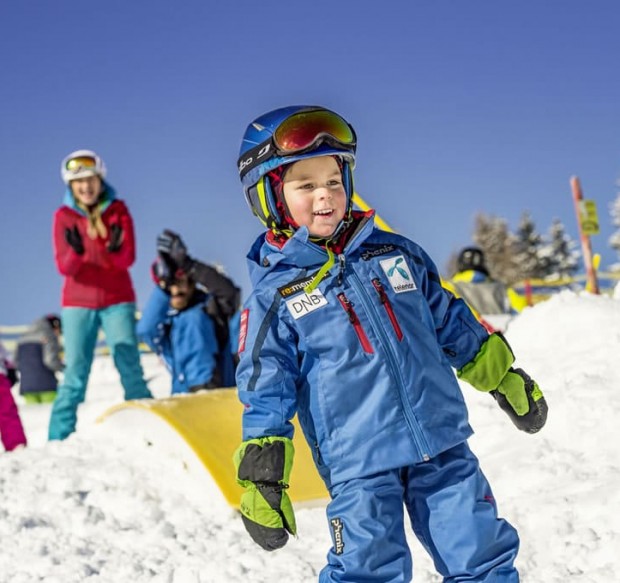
x=365 y=359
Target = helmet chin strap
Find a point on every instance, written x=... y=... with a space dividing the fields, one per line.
x=342 y=225
x=329 y=244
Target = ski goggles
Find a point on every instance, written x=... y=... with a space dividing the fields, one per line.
x=74 y=165
x=472 y=257
x=300 y=133
x=303 y=130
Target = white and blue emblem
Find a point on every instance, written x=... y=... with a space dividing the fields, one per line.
x=398 y=274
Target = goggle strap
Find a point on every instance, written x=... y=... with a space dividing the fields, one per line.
x=257 y=155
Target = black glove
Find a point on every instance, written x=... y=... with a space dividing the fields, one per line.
x=73 y=237
x=171 y=246
x=521 y=398
x=162 y=273
x=203 y=387
x=11 y=374
x=116 y=238
x=214 y=383
x=263 y=469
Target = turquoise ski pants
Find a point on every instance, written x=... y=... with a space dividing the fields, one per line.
x=80 y=327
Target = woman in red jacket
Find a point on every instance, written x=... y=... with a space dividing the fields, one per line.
x=94 y=247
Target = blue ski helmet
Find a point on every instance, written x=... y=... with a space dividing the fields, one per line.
x=284 y=136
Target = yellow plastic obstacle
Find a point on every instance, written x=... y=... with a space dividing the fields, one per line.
x=210 y=424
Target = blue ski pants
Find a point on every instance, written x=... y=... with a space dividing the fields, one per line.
x=452 y=513
x=80 y=327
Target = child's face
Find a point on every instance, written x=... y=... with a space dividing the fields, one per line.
x=315 y=195
x=86 y=190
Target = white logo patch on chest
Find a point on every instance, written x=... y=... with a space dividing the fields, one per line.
x=302 y=304
x=398 y=274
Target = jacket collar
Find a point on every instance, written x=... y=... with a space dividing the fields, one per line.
x=299 y=252
x=107 y=197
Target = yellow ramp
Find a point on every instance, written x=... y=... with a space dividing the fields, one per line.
x=210 y=424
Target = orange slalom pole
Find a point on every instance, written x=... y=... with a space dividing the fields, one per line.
x=586 y=246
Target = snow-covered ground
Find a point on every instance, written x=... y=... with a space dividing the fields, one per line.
x=104 y=507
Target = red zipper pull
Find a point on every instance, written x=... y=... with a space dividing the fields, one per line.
x=385 y=301
x=355 y=321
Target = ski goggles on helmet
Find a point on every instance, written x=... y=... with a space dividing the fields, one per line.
x=75 y=165
x=299 y=133
x=472 y=258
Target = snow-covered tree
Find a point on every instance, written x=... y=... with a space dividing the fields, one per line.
x=559 y=254
x=491 y=234
x=526 y=249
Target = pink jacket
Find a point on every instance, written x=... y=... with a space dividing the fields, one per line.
x=11 y=428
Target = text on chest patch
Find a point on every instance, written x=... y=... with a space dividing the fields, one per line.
x=303 y=304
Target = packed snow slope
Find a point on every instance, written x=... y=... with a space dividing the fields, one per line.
x=105 y=506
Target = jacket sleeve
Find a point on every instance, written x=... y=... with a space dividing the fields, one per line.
x=123 y=258
x=268 y=369
x=67 y=260
x=459 y=333
x=150 y=325
x=218 y=285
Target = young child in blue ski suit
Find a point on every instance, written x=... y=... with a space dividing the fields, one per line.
x=349 y=328
x=186 y=319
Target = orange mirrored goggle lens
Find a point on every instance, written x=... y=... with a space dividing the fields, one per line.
x=76 y=164
x=302 y=130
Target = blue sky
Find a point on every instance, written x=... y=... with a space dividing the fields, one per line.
x=460 y=107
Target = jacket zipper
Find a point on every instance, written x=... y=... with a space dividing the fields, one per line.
x=341 y=264
x=412 y=421
x=97 y=258
x=388 y=307
x=355 y=321
x=319 y=459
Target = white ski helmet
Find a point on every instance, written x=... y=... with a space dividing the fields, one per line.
x=81 y=164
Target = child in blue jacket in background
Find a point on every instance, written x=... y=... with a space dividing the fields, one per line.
x=349 y=327
x=186 y=319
